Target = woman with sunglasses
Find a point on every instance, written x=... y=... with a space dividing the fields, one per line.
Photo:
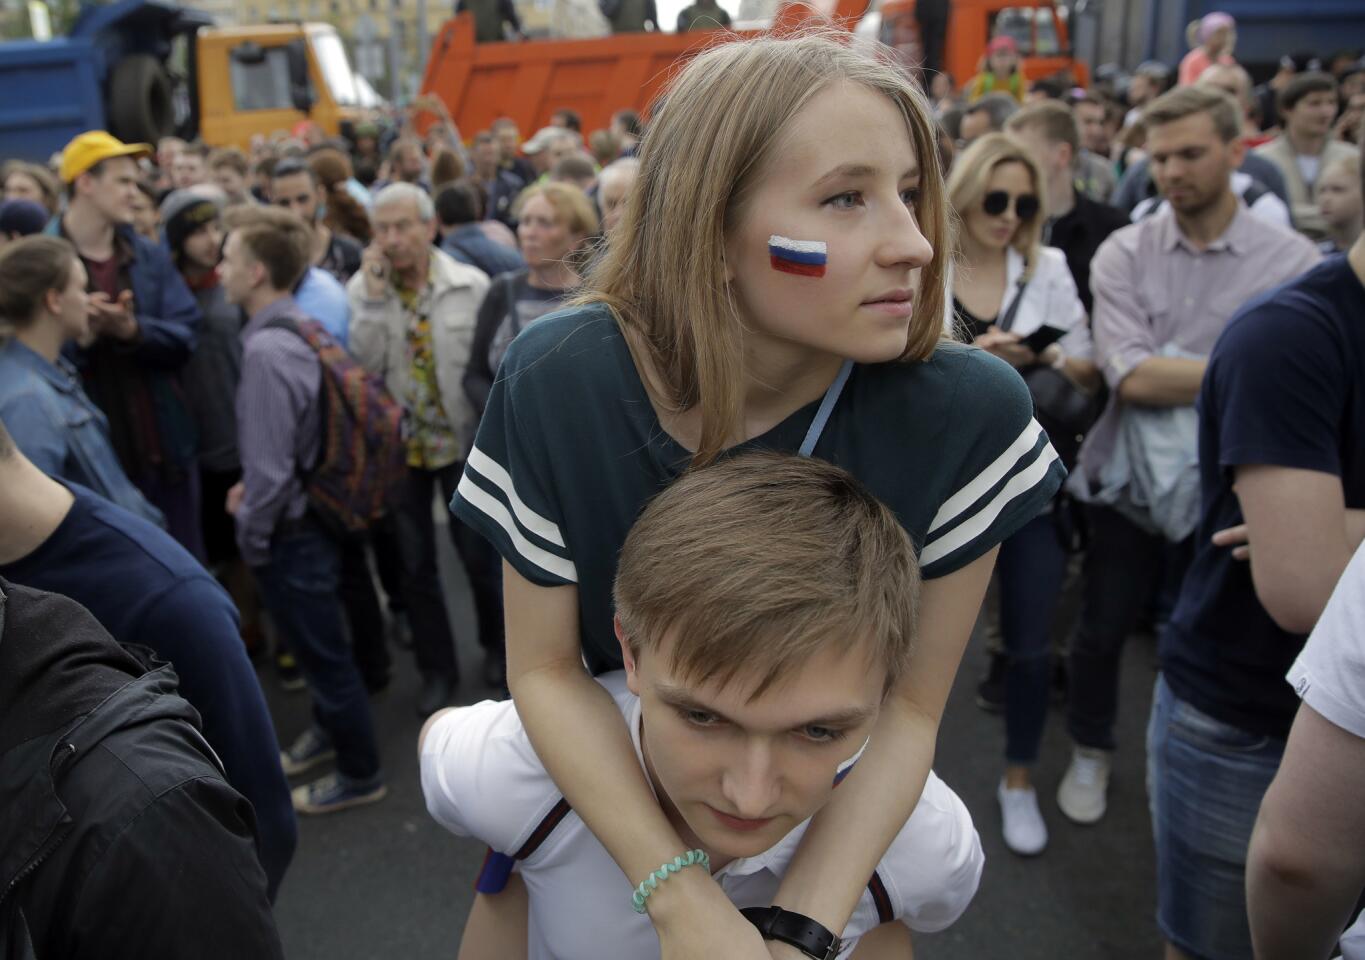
x=1007 y=291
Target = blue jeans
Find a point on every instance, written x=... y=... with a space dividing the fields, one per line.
x=299 y=587
x=1031 y=570
x=1124 y=565
x=1205 y=781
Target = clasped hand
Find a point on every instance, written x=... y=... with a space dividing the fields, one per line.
x=113 y=318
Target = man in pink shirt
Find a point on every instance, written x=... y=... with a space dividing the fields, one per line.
x=1164 y=288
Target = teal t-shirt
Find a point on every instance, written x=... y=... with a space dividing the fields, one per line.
x=569 y=451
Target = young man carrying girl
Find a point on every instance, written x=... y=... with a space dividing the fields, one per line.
x=747 y=699
x=799 y=256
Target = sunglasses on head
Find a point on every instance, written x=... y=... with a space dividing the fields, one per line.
x=998 y=201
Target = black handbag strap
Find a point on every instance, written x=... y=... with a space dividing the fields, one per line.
x=1007 y=318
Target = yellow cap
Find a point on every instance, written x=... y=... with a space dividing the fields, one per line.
x=91 y=147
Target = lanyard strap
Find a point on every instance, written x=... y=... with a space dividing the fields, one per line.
x=817 y=426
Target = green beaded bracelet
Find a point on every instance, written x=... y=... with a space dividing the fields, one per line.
x=652 y=881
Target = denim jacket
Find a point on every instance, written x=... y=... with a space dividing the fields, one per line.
x=58 y=428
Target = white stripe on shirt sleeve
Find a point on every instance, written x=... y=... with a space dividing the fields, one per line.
x=988 y=478
x=978 y=524
x=529 y=519
x=494 y=509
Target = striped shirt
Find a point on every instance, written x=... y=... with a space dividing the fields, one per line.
x=569 y=451
x=278 y=427
x=1154 y=290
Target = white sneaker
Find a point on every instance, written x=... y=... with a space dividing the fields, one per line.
x=1082 y=793
x=1025 y=831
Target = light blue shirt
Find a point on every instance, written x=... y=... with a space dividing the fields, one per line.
x=322 y=297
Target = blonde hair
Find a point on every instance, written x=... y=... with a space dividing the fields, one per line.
x=570 y=204
x=756 y=563
x=967 y=187
x=1348 y=163
x=717 y=131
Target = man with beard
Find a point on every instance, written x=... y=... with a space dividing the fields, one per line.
x=1164 y=288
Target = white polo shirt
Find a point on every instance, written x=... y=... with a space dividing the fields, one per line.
x=482 y=779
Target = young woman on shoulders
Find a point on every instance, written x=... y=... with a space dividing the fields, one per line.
x=786 y=244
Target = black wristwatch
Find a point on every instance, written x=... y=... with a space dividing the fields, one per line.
x=803 y=933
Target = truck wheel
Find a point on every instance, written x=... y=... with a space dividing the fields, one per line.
x=140 y=109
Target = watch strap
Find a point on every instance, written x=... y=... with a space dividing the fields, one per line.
x=809 y=936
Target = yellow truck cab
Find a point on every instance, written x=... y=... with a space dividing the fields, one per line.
x=259 y=79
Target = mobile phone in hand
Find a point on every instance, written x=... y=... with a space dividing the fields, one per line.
x=1042 y=338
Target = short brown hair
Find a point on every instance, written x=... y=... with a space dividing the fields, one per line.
x=760 y=561
x=277 y=238
x=1186 y=101
x=1300 y=86
x=229 y=157
x=1053 y=120
x=29 y=268
x=605 y=146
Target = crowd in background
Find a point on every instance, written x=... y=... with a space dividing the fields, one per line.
x=163 y=312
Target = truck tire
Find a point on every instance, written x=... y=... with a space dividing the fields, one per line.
x=140 y=108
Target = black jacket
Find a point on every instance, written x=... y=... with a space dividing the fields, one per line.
x=120 y=837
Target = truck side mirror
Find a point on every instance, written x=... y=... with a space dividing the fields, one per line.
x=300 y=87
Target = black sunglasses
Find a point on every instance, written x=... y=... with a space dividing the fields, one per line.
x=998 y=201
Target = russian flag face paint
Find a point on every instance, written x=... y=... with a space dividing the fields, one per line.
x=845 y=768
x=804 y=258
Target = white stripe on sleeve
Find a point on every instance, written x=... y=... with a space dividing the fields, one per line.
x=494 y=509
x=993 y=474
x=978 y=524
x=529 y=519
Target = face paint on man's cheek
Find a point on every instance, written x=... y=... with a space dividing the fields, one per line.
x=844 y=768
x=802 y=258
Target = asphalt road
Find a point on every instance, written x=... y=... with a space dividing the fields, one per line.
x=386 y=882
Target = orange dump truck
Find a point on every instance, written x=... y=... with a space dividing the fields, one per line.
x=596 y=77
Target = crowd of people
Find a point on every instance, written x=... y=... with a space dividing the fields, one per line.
x=881 y=345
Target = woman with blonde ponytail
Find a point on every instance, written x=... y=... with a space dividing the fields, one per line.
x=780 y=257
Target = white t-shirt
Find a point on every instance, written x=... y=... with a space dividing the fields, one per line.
x=1309 y=168
x=1329 y=674
x=482 y=779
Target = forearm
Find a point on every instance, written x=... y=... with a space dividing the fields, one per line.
x=579 y=734
x=1163 y=382
x=165 y=344
x=1293 y=916
x=1302 y=882
x=1355 y=529
x=834 y=862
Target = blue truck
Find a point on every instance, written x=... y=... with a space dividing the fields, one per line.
x=111 y=72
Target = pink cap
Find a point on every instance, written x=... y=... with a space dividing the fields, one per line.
x=1002 y=42
x=1212 y=23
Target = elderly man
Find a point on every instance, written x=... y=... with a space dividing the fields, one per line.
x=413 y=310
x=614 y=186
